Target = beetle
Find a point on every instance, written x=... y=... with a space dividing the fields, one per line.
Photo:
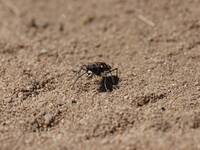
x=100 y=69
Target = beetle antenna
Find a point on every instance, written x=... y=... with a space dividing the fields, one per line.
x=78 y=77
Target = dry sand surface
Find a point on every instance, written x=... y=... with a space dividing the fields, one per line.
x=154 y=44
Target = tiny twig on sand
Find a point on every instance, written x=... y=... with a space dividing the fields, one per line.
x=11 y=7
x=145 y=20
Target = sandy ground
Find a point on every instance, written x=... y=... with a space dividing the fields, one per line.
x=154 y=44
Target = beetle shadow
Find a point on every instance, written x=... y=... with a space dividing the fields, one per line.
x=110 y=82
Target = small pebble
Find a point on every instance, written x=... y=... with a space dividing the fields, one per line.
x=48 y=119
x=30 y=87
x=39 y=24
x=126 y=97
x=20 y=94
x=43 y=51
x=8 y=100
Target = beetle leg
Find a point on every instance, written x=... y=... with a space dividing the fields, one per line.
x=116 y=71
x=105 y=82
x=116 y=74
